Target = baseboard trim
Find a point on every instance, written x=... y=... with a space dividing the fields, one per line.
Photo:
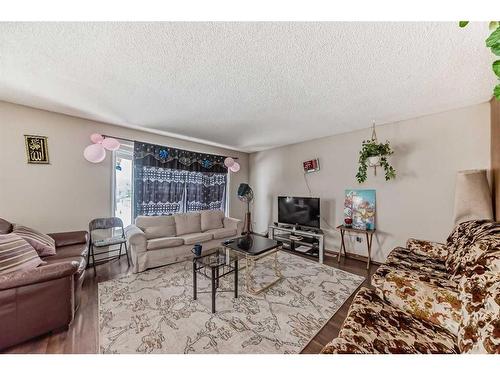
x=353 y=256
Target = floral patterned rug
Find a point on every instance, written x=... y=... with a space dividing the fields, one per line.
x=154 y=312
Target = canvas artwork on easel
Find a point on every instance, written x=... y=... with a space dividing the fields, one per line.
x=359 y=208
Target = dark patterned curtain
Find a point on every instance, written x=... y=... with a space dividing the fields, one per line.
x=169 y=180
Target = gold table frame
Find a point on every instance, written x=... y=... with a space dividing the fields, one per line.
x=250 y=261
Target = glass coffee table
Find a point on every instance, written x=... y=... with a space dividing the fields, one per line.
x=253 y=248
x=214 y=265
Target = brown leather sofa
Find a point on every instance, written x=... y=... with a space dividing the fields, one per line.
x=46 y=298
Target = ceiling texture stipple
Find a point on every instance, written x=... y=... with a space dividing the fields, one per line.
x=246 y=86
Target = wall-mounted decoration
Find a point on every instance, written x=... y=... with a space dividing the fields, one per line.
x=37 y=150
x=359 y=209
x=96 y=152
x=311 y=165
x=374 y=154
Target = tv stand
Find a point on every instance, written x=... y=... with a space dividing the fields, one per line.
x=308 y=241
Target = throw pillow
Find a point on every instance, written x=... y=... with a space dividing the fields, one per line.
x=16 y=254
x=43 y=244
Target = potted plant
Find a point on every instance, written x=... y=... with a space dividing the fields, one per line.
x=375 y=154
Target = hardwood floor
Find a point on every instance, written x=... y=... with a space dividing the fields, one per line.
x=82 y=335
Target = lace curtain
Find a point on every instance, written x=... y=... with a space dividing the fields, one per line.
x=168 y=180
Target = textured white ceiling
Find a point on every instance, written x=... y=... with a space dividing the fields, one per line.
x=249 y=86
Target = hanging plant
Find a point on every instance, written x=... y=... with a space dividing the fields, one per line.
x=375 y=153
x=493 y=42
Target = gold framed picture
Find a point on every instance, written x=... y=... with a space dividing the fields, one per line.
x=37 y=150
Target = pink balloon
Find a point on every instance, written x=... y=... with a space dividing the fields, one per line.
x=235 y=167
x=94 y=153
x=111 y=144
x=228 y=162
x=96 y=138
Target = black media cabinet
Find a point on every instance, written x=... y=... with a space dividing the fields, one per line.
x=304 y=241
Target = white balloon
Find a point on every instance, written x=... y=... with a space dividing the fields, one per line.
x=94 y=153
x=235 y=167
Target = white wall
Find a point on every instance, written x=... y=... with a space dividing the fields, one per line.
x=69 y=192
x=419 y=203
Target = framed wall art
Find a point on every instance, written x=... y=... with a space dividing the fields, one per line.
x=37 y=150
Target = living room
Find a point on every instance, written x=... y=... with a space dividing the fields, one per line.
x=244 y=187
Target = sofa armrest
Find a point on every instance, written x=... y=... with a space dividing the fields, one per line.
x=69 y=238
x=437 y=305
x=38 y=275
x=230 y=222
x=433 y=249
x=136 y=238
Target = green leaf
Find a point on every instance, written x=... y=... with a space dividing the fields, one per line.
x=496 y=91
x=493 y=25
x=494 y=38
x=496 y=49
x=496 y=68
x=463 y=23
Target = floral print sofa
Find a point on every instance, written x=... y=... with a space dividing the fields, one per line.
x=431 y=298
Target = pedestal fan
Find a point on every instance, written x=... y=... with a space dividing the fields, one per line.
x=245 y=194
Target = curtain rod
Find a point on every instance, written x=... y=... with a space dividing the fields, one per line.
x=132 y=140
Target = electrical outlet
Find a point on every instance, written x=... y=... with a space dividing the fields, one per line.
x=359 y=239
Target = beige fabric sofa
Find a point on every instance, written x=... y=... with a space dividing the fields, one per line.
x=160 y=240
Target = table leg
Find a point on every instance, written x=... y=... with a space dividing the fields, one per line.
x=369 y=239
x=213 y=290
x=277 y=270
x=236 y=279
x=248 y=273
x=342 y=244
x=194 y=281
x=217 y=278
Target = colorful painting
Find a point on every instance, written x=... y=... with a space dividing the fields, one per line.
x=359 y=208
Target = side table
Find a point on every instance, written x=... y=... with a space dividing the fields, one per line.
x=369 y=239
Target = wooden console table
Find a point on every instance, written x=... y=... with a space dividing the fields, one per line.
x=369 y=239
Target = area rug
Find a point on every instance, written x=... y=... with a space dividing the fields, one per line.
x=154 y=312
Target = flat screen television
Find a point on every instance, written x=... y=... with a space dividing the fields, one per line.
x=299 y=211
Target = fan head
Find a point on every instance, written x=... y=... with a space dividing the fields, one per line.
x=245 y=193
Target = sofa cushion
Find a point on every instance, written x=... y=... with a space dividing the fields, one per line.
x=479 y=330
x=440 y=306
x=187 y=223
x=42 y=243
x=377 y=327
x=222 y=233
x=192 y=238
x=5 y=226
x=211 y=219
x=428 y=248
x=82 y=263
x=402 y=258
x=162 y=243
x=16 y=254
x=436 y=279
x=156 y=226
x=69 y=251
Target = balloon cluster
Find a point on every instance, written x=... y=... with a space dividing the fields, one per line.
x=96 y=152
x=232 y=165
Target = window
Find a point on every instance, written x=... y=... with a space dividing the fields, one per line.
x=122 y=182
x=169 y=180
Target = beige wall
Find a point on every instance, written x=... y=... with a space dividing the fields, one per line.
x=70 y=191
x=428 y=152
